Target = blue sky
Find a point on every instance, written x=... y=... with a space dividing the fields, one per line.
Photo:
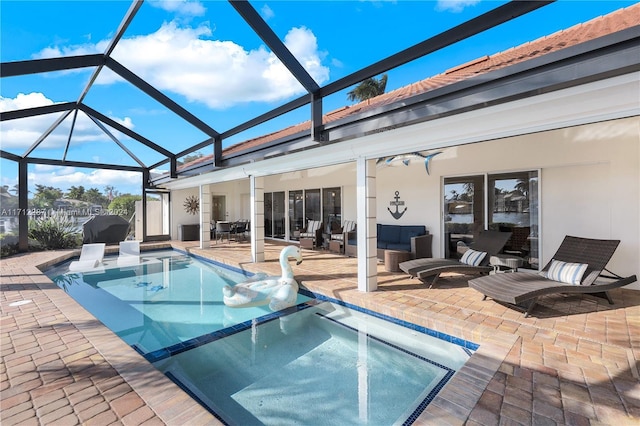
x=203 y=56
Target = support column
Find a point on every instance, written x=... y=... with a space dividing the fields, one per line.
x=257 y=218
x=205 y=216
x=23 y=206
x=367 y=233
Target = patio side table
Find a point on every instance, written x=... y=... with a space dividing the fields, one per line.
x=392 y=258
x=510 y=262
x=306 y=243
x=335 y=246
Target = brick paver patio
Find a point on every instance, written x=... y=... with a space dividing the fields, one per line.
x=575 y=361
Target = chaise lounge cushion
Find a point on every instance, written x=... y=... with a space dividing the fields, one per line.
x=473 y=257
x=565 y=272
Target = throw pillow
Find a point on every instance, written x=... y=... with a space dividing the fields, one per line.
x=473 y=257
x=564 y=272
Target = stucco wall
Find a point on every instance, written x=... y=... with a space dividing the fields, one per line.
x=589 y=180
x=179 y=216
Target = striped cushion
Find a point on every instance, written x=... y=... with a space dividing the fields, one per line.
x=570 y=273
x=312 y=227
x=473 y=257
x=348 y=226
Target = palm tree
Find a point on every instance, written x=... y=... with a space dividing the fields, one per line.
x=369 y=88
x=76 y=192
x=523 y=186
x=111 y=192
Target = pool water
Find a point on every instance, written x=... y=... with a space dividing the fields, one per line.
x=319 y=362
x=167 y=299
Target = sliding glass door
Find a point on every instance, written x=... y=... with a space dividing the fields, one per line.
x=510 y=204
x=332 y=208
x=313 y=204
x=274 y=205
x=463 y=212
x=296 y=214
x=513 y=207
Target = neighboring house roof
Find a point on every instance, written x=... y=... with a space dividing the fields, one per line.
x=595 y=28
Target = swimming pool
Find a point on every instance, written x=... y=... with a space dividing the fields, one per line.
x=319 y=362
x=169 y=298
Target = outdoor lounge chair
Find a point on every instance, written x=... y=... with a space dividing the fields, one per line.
x=129 y=253
x=91 y=256
x=522 y=289
x=488 y=242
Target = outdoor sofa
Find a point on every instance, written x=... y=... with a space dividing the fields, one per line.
x=414 y=239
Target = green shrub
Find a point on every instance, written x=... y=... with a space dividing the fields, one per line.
x=56 y=231
x=7 y=250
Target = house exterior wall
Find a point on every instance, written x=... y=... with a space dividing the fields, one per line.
x=589 y=184
x=178 y=214
x=583 y=140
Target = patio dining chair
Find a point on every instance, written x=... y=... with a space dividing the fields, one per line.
x=239 y=230
x=222 y=229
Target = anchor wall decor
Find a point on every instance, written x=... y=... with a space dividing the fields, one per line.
x=397 y=214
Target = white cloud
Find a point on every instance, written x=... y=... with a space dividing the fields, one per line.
x=455 y=6
x=22 y=133
x=183 y=7
x=77 y=49
x=267 y=12
x=216 y=73
x=65 y=177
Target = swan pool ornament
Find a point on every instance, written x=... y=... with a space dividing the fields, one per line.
x=277 y=292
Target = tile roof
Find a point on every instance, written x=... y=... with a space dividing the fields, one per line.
x=580 y=33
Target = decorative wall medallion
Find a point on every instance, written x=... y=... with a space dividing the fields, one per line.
x=192 y=204
x=397 y=214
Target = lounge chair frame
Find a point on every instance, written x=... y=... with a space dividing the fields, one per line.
x=521 y=290
x=490 y=242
